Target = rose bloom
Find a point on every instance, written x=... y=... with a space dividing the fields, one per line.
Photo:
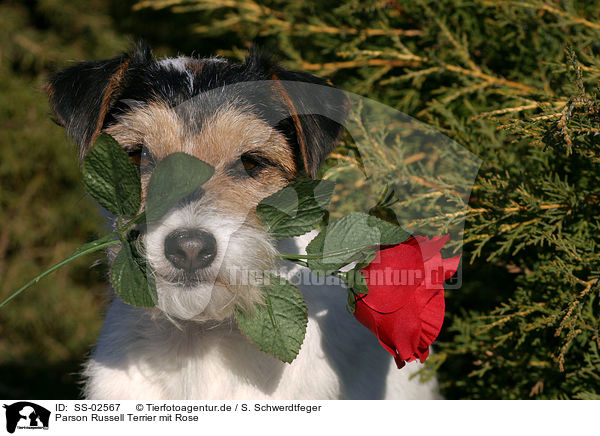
x=405 y=304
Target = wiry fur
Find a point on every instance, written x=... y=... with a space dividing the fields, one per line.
x=241 y=247
x=189 y=346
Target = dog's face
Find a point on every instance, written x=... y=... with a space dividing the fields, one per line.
x=205 y=250
x=201 y=249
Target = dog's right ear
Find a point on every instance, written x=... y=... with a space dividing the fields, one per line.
x=82 y=95
x=312 y=135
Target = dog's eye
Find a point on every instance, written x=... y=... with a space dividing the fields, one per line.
x=135 y=156
x=141 y=158
x=250 y=164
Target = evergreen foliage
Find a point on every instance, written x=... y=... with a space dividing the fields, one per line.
x=514 y=82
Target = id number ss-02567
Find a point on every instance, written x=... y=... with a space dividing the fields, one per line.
x=97 y=407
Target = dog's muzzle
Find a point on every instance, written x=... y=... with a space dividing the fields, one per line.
x=190 y=250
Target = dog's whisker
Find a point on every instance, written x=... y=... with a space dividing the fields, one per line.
x=226 y=285
x=234 y=295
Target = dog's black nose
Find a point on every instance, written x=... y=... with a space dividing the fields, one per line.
x=190 y=250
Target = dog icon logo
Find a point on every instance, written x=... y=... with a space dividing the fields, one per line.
x=26 y=415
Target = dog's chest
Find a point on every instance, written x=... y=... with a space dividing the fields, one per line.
x=225 y=365
x=151 y=359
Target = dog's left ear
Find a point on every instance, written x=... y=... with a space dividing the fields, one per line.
x=313 y=135
x=83 y=94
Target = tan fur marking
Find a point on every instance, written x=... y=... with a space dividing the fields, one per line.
x=221 y=141
x=50 y=91
x=156 y=126
x=294 y=114
x=113 y=85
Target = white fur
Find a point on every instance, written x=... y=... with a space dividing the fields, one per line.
x=142 y=354
x=180 y=63
x=239 y=247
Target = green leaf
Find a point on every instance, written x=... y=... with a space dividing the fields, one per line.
x=297 y=208
x=111 y=178
x=131 y=278
x=175 y=177
x=351 y=302
x=357 y=281
x=278 y=326
x=352 y=238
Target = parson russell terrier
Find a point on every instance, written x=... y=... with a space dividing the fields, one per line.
x=188 y=346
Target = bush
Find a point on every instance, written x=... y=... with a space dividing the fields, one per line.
x=513 y=82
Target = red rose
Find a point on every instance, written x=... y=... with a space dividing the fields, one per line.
x=405 y=303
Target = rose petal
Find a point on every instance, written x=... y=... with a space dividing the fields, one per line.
x=392 y=278
x=429 y=247
x=407 y=317
x=398 y=333
x=434 y=272
x=423 y=355
x=401 y=330
x=450 y=266
x=370 y=319
x=432 y=318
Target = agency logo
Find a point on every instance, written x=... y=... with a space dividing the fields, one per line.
x=26 y=415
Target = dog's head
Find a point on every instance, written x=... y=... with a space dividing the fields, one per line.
x=257 y=141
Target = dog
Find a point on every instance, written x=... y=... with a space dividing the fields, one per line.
x=188 y=346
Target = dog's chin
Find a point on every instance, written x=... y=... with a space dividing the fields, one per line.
x=201 y=301
x=205 y=301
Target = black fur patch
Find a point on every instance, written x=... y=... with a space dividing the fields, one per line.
x=82 y=95
x=88 y=96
